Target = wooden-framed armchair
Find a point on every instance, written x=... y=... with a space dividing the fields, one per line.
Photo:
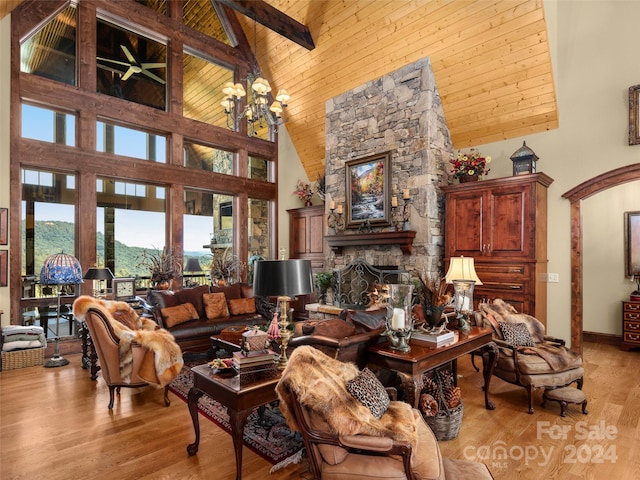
x=348 y=437
x=107 y=345
x=527 y=356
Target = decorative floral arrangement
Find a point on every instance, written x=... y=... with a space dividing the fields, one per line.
x=472 y=164
x=304 y=191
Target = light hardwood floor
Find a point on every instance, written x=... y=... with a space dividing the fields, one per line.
x=54 y=424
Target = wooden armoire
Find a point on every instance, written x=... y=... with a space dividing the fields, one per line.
x=502 y=224
x=306 y=241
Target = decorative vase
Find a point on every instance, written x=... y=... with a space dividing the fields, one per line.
x=434 y=315
x=161 y=285
x=307 y=202
x=468 y=178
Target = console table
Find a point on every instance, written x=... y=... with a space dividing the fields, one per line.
x=424 y=357
x=240 y=402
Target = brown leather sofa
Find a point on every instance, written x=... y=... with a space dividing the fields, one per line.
x=193 y=326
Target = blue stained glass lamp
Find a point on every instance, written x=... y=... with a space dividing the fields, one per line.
x=60 y=269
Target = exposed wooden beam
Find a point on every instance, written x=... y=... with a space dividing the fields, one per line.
x=273 y=19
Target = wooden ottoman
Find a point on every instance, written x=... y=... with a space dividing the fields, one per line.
x=564 y=396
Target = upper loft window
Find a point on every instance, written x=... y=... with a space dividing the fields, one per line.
x=203 y=82
x=259 y=169
x=160 y=6
x=48 y=125
x=202 y=16
x=51 y=51
x=206 y=158
x=131 y=66
x=131 y=143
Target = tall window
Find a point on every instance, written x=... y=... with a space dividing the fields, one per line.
x=48 y=218
x=130 y=218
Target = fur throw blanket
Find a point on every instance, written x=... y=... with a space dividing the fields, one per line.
x=129 y=328
x=319 y=383
x=558 y=357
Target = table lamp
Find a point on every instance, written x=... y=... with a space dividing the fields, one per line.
x=97 y=274
x=284 y=279
x=462 y=274
x=60 y=269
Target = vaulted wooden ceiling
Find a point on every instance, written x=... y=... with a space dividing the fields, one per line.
x=490 y=59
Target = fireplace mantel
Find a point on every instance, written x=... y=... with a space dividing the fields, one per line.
x=402 y=238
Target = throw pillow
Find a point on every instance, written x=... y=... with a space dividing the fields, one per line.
x=368 y=390
x=368 y=320
x=240 y=306
x=172 y=316
x=516 y=334
x=215 y=305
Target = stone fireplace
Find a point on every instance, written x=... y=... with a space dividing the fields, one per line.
x=400 y=113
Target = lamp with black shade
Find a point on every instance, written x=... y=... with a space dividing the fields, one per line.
x=192 y=267
x=462 y=274
x=285 y=279
x=97 y=274
x=60 y=269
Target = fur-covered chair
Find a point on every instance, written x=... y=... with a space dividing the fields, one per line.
x=132 y=351
x=527 y=356
x=366 y=438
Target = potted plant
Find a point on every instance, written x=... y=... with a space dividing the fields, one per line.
x=324 y=281
x=226 y=268
x=163 y=266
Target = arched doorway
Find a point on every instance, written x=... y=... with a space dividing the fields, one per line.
x=585 y=190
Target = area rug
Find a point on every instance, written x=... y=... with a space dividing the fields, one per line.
x=267 y=435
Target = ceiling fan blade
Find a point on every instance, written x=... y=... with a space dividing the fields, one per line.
x=153 y=75
x=127 y=53
x=118 y=62
x=153 y=65
x=128 y=73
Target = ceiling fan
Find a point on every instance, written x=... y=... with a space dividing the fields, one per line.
x=135 y=67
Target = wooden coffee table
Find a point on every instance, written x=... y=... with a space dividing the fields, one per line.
x=424 y=357
x=240 y=402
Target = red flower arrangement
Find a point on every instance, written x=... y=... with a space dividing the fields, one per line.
x=472 y=164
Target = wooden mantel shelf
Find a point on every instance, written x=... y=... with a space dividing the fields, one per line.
x=403 y=238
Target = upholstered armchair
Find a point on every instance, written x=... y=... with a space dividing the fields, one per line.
x=116 y=371
x=352 y=429
x=527 y=356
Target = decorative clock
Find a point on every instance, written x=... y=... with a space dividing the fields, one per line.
x=124 y=288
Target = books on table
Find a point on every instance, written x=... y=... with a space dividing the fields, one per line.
x=437 y=340
x=253 y=359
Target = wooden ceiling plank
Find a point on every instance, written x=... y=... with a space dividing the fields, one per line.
x=273 y=19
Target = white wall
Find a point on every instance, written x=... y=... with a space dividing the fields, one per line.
x=289 y=172
x=591 y=47
x=5 y=49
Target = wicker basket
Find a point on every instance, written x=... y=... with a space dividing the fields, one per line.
x=446 y=423
x=30 y=357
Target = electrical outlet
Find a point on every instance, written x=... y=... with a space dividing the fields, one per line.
x=553 y=277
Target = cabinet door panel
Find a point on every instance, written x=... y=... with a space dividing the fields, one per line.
x=299 y=246
x=508 y=236
x=464 y=226
x=316 y=233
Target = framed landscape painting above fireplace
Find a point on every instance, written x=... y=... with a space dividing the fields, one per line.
x=367 y=190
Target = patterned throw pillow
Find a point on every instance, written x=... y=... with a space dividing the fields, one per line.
x=368 y=390
x=516 y=334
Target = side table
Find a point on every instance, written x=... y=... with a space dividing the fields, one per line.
x=239 y=400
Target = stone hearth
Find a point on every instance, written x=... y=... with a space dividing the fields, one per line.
x=399 y=113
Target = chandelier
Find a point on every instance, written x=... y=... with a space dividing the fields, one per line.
x=257 y=111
